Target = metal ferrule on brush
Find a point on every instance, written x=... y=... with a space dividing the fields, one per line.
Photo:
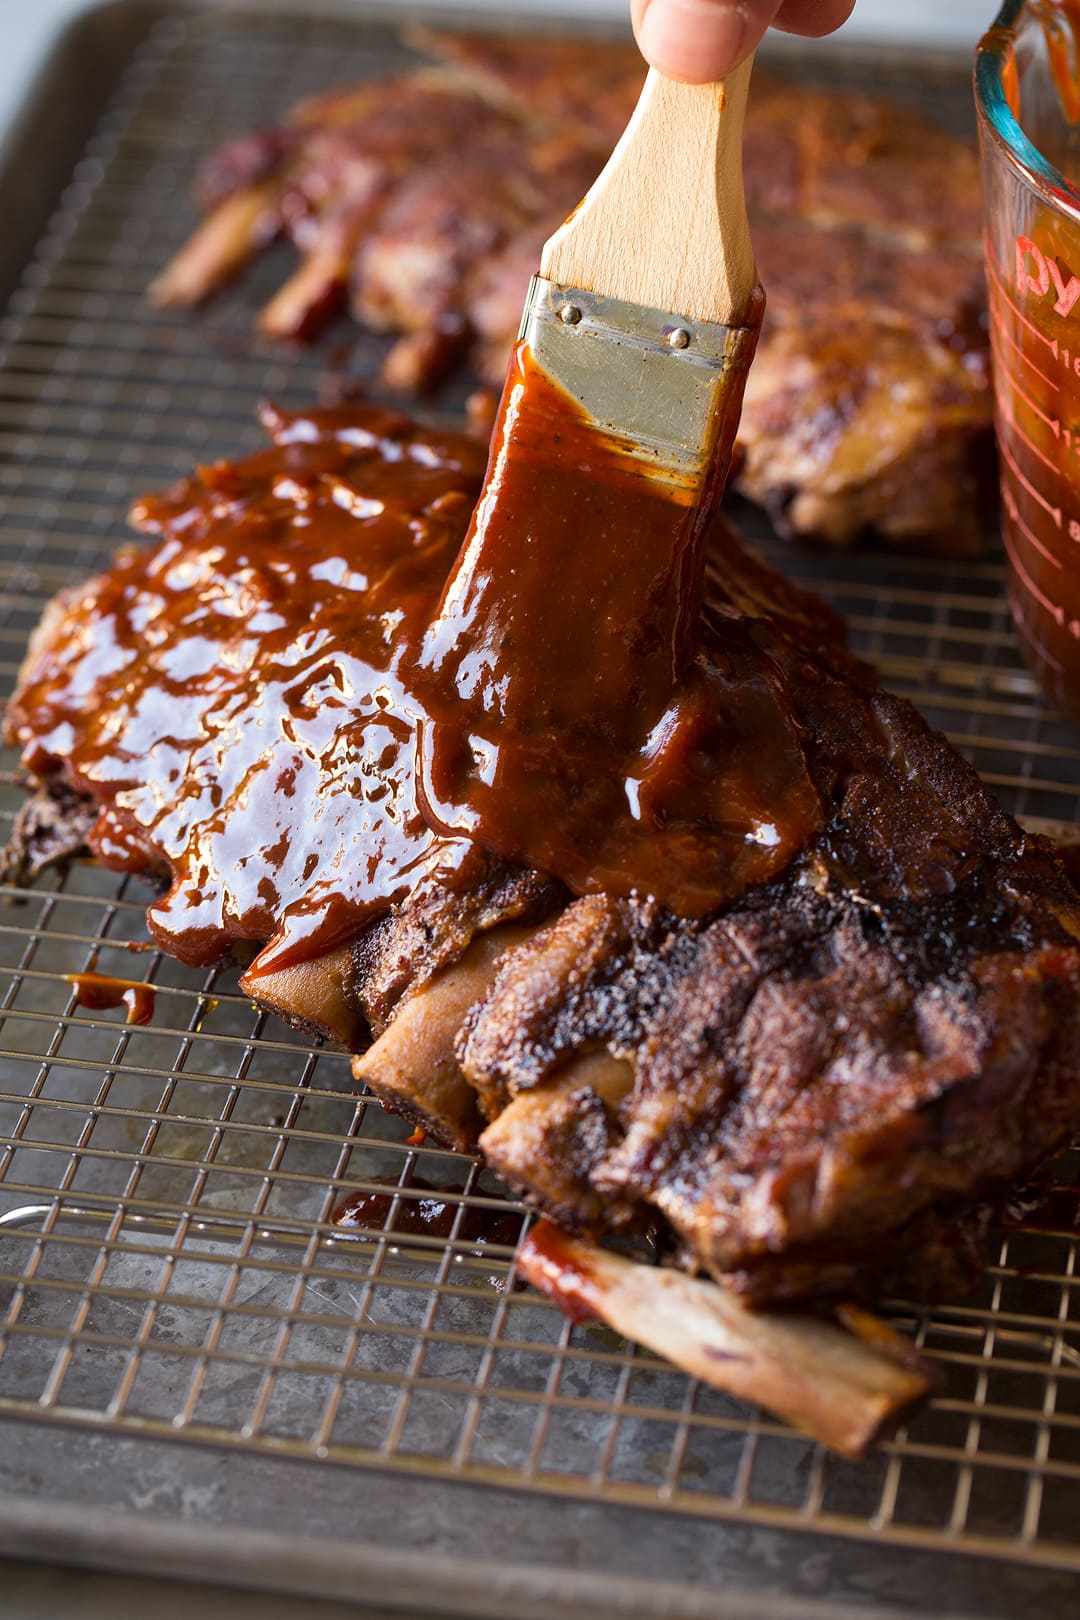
x=669 y=389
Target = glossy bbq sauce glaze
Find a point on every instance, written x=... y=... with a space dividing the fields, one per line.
x=299 y=706
x=231 y=696
x=582 y=714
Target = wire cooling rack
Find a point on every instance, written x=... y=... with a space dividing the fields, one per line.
x=169 y=1261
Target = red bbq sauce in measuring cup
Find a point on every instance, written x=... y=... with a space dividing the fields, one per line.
x=1027 y=89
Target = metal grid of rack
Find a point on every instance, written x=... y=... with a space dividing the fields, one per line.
x=169 y=1260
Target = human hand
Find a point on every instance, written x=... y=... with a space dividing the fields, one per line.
x=701 y=40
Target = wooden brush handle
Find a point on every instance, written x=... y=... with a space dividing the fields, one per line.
x=665 y=224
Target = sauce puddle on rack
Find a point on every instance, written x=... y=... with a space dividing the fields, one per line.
x=430 y=1212
x=1051 y=1208
x=96 y=992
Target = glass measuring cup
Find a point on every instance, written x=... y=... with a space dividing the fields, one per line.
x=1027 y=92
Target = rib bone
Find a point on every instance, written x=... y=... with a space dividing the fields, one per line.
x=312 y=995
x=308 y=297
x=840 y=1389
x=412 y=1066
x=231 y=235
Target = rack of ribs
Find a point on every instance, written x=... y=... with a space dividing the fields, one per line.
x=818 y=1088
x=422 y=203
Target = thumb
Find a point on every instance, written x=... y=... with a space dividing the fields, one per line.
x=700 y=40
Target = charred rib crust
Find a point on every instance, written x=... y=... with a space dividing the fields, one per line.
x=435 y=928
x=50 y=828
x=891 y=1031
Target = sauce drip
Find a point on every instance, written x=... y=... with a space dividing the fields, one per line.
x=432 y=1213
x=98 y=993
x=1060 y=21
x=581 y=714
x=286 y=709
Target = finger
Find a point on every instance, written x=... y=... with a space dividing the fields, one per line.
x=813 y=17
x=700 y=40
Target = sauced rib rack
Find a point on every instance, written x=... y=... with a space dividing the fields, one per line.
x=423 y=202
x=820 y=1090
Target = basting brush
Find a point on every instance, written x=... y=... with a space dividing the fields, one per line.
x=565 y=651
x=635 y=342
x=646 y=308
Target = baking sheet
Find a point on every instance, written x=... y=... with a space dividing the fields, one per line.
x=167 y=1270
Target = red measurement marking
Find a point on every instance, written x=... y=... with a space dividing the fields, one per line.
x=1038 y=642
x=1054 y=511
x=1009 y=502
x=992 y=256
x=1051 y=343
x=1010 y=416
x=1056 y=613
x=1052 y=422
x=999 y=324
x=988 y=248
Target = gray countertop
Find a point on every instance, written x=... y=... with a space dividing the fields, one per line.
x=37 y=1592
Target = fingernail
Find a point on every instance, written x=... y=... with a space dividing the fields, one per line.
x=696 y=40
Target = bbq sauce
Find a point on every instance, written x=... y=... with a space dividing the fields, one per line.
x=98 y=993
x=231 y=698
x=428 y=1210
x=301 y=705
x=566 y=1276
x=581 y=715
